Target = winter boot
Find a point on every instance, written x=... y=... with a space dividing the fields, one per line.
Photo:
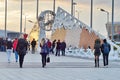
x=95 y=63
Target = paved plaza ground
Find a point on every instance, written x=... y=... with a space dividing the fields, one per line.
x=60 y=68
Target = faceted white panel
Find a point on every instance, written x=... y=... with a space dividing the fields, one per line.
x=73 y=37
x=74 y=26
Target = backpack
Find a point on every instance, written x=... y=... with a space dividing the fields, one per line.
x=106 y=48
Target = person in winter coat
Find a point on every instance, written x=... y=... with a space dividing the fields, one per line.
x=44 y=51
x=14 y=49
x=63 y=46
x=105 y=48
x=49 y=44
x=33 y=43
x=58 y=47
x=0 y=43
x=53 y=46
x=97 y=51
x=22 y=49
x=9 y=49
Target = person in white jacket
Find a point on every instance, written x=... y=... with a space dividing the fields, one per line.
x=9 y=49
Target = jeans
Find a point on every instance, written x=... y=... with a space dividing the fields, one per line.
x=9 y=51
x=3 y=48
x=63 y=52
x=43 y=59
x=33 y=50
x=16 y=55
x=21 y=59
x=57 y=52
x=105 y=59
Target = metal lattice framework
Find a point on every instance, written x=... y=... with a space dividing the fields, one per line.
x=45 y=20
x=66 y=20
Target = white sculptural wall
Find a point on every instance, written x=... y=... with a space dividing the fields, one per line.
x=73 y=37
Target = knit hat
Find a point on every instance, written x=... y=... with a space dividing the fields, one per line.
x=25 y=36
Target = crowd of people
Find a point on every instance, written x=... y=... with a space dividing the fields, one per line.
x=21 y=45
x=18 y=46
x=47 y=47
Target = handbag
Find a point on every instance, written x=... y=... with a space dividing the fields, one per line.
x=48 y=59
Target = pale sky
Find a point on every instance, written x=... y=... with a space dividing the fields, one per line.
x=83 y=6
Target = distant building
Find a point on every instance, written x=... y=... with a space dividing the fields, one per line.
x=116 y=34
x=10 y=34
x=13 y=35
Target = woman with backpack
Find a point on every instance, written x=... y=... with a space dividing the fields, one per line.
x=97 y=51
x=105 y=48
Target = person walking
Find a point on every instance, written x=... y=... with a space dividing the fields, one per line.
x=53 y=46
x=14 y=49
x=3 y=44
x=9 y=49
x=63 y=46
x=28 y=45
x=0 y=44
x=58 y=47
x=33 y=43
x=97 y=51
x=44 y=51
x=49 y=44
x=105 y=48
x=21 y=49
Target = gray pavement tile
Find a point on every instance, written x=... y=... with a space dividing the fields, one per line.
x=60 y=68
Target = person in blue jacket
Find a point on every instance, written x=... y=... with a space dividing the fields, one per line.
x=44 y=51
x=105 y=48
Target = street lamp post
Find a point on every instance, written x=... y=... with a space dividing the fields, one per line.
x=25 y=25
x=107 y=16
x=71 y=7
x=54 y=6
x=5 y=17
x=105 y=12
x=74 y=8
x=91 y=13
x=112 y=29
x=25 y=18
x=78 y=14
x=30 y=21
x=21 y=18
x=37 y=9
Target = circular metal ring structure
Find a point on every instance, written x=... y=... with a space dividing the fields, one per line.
x=46 y=19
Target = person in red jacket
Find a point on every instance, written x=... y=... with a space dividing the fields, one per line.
x=49 y=44
x=14 y=49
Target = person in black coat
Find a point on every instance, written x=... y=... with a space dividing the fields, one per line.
x=21 y=49
x=53 y=46
x=58 y=47
x=105 y=48
x=97 y=52
x=33 y=43
x=63 y=46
